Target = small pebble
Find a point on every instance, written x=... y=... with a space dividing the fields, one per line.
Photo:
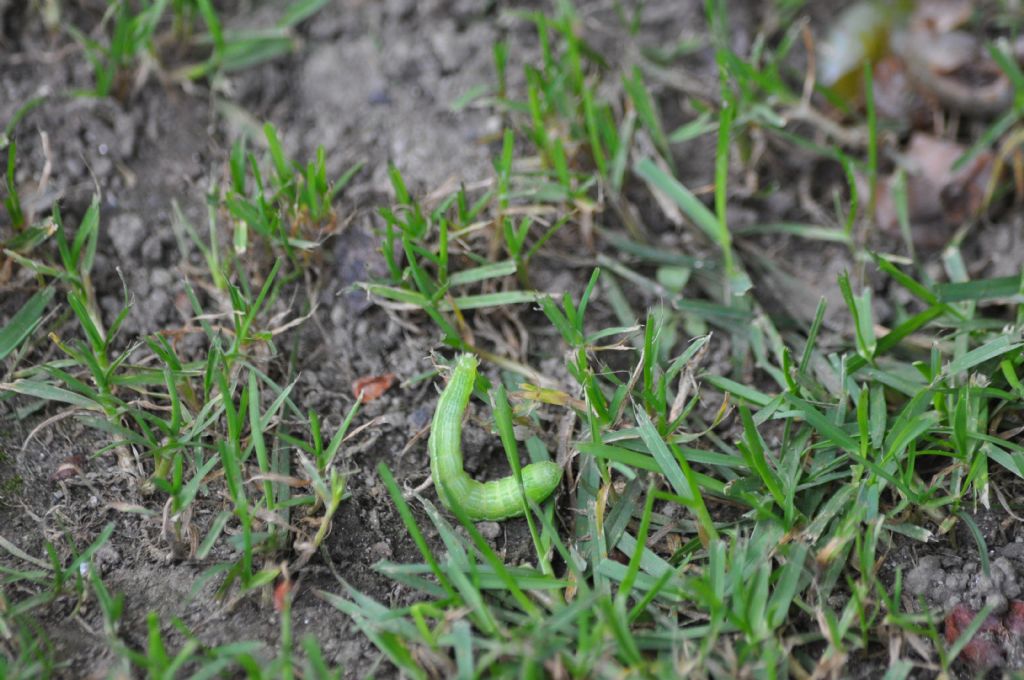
x=489 y=530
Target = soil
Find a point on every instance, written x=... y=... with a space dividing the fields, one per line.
x=372 y=82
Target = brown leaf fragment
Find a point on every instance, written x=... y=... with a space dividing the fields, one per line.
x=953 y=70
x=370 y=387
x=983 y=651
x=940 y=16
x=281 y=592
x=939 y=197
x=944 y=53
x=896 y=98
x=1013 y=621
x=68 y=467
x=960 y=191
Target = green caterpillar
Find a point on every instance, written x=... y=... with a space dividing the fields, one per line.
x=495 y=500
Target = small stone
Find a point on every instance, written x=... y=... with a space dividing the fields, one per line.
x=102 y=166
x=160 y=278
x=152 y=249
x=127 y=232
x=380 y=551
x=1014 y=551
x=998 y=602
x=921 y=578
x=489 y=530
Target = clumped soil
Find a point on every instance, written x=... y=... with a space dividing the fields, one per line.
x=373 y=82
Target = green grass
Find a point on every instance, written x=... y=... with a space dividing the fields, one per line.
x=136 y=36
x=822 y=503
x=729 y=512
x=225 y=415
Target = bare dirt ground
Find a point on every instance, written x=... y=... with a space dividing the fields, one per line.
x=372 y=82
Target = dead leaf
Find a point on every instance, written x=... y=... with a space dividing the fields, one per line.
x=68 y=467
x=983 y=651
x=547 y=396
x=281 y=591
x=940 y=16
x=294 y=482
x=939 y=63
x=859 y=34
x=938 y=197
x=896 y=98
x=945 y=52
x=952 y=69
x=370 y=387
x=961 y=193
